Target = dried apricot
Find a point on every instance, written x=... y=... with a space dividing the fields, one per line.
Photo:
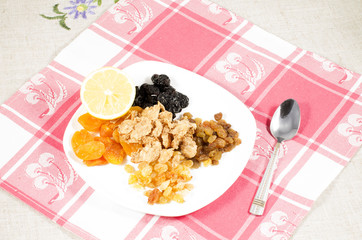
x=105 y=140
x=90 y=150
x=96 y=162
x=90 y=123
x=107 y=129
x=114 y=153
x=130 y=147
x=81 y=137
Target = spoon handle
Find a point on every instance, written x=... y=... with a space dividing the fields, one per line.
x=261 y=196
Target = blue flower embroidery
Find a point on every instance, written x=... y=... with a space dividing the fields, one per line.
x=80 y=7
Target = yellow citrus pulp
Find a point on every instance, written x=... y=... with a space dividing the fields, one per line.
x=107 y=93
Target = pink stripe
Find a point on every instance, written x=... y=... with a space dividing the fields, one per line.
x=205 y=21
x=275 y=75
x=27 y=199
x=154 y=23
x=75 y=207
x=139 y=227
x=336 y=120
x=79 y=231
x=255 y=223
x=216 y=56
x=26 y=126
x=197 y=228
x=321 y=80
x=66 y=70
x=295 y=197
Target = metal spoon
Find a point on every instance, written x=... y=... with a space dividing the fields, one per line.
x=284 y=126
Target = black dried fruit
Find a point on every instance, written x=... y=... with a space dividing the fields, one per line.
x=167 y=89
x=165 y=99
x=149 y=89
x=182 y=99
x=161 y=80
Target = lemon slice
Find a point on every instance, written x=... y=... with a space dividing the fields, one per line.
x=107 y=93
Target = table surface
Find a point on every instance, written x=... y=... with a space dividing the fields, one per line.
x=331 y=29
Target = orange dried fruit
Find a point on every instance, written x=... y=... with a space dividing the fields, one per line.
x=91 y=150
x=107 y=129
x=96 y=162
x=129 y=148
x=80 y=137
x=105 y=140
x=90 y=123
x=114 y=153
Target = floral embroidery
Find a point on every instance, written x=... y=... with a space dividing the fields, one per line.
x=234 y=69
x=41 y=172
x=34 y=94
x=126 y=11
x=330 y=67
x=216 y=9
x=77 y=7
x=273 y=230
x=352 y=129
x=264 y=149
x=80 y=7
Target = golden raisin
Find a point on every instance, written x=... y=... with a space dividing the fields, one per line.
x=154 y=196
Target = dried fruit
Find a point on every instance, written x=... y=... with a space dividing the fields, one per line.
x=114 y=153
x=90 y=123
x=129 y=148
x=96 y=162
x=80 y=137
x=90 y=151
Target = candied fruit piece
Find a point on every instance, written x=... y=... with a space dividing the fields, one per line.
x=160 y=167
x=129 y=148
x=129 y=168
x=114 y=153
x=132 y=179
x=167 y=191
x=146 y=171
x=81 y=137
x=178 y=198
x=96 y=162
x=90 y=150
x=154 y=196
x=90 y=123
x=218 y=116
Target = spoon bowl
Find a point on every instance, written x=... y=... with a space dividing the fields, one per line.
x=286 y=120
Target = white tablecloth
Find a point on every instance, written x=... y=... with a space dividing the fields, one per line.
x=332 y=29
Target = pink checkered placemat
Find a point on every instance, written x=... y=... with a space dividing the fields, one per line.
x=257 y=67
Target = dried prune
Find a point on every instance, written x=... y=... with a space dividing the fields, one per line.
x=149 y=89
x=161 y=80
x=183 y=99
